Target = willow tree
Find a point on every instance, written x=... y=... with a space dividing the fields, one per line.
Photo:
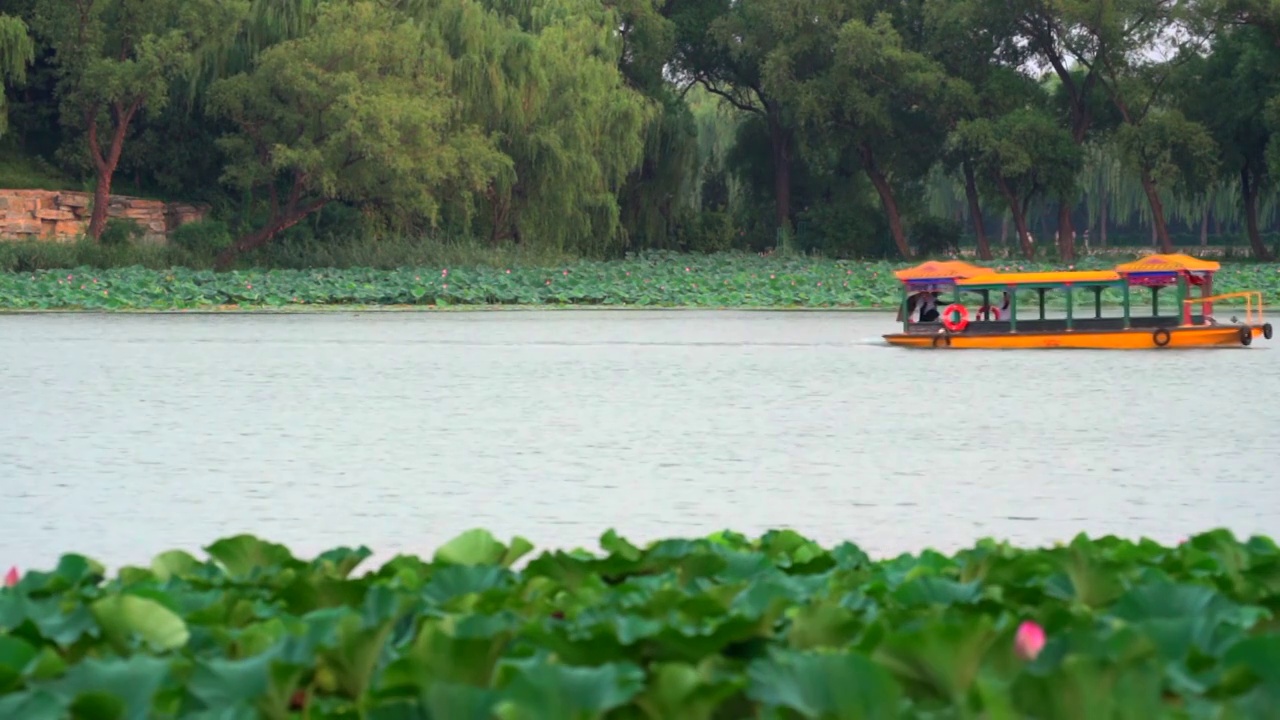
x=117 y=57
x=543 y=76
x=358 y=109
x=265 y=23
x=657 y=193
x=16 y=53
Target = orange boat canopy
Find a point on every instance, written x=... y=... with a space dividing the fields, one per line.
x=1072 y=277
x=1173 y=262
x=941 y=270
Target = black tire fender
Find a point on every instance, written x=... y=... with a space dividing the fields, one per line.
x=1246 y=336
x=1266 y=330
x=1161 y=337
x=942 y=339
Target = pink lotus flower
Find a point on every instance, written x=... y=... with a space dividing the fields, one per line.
x=11 y=577
x=1029 y=640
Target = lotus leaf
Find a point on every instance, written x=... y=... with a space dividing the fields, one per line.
x=652 y=279
x=716 y=628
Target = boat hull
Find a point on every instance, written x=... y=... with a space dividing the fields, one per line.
x=1132 y=339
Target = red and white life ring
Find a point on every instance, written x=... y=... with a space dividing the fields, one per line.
x=958 y=324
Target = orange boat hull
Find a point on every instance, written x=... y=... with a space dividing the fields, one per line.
x=1199 y=336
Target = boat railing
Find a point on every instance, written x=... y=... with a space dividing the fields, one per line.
x=1252 y=303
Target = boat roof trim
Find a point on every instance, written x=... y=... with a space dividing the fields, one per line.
x=1168 y=263
x=1070 y=277
x=946 y=270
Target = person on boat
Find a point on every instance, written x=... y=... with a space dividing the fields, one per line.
x=986 y=312
x=913 y=304
x=926 y=307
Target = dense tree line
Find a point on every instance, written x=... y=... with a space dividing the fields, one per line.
x=856 y=127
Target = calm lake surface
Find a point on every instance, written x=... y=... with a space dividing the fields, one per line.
x=125 y=435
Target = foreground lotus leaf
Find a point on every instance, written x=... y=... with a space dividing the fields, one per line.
x=717 y=628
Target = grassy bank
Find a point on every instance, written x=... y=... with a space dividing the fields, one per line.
x=684 y=629
x=653 y=280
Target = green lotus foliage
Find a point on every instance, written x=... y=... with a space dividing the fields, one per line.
x=682 y=629
x=658 y=279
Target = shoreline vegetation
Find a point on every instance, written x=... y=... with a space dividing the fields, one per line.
x=710 y=628
x=591 y=128
x=646 y=280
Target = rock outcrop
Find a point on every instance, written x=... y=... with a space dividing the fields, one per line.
x=63 y=215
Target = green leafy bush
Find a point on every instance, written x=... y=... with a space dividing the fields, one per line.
x=713 y=628
x=120 y=232
x=30 y=257
x=934 y=235
x=202 y=237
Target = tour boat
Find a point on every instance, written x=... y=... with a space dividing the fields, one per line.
x=1008 y=324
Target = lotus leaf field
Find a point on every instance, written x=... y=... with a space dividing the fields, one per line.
x=656 y=280
x=722 y=627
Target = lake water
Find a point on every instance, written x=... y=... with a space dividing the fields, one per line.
x=125 y=435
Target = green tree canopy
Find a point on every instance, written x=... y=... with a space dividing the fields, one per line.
x=1243 y=67
x=359 y=109
x=1021 y=155
x=116 y=57
x=16 y=53
x=857 y=89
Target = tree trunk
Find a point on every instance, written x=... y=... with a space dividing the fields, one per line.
x=1158 y=227
x=1004 y=234
x=887 y=200
x=1019 y=217
x=254 y=240
x=780 y=146
x=1066 y=231
x=975 y=212
x=1204 y=227
x=105 y=163
x=101 y=203
x=1249 y=189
